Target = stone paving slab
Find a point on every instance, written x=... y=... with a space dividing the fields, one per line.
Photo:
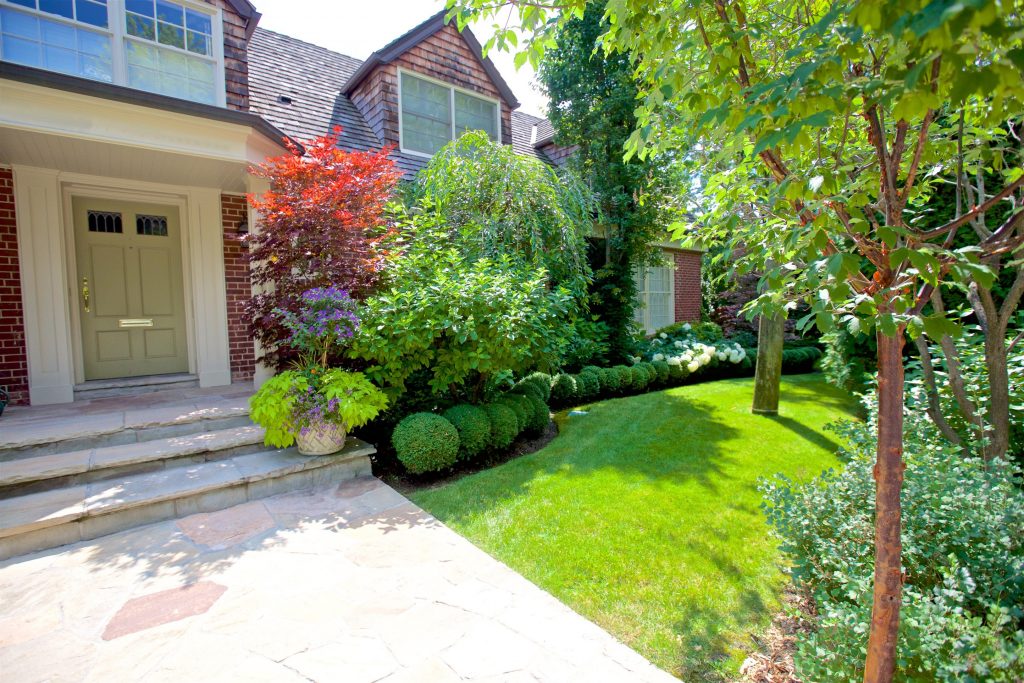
x=349 y=583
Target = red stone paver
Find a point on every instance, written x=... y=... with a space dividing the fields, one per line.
x=225 y=528
x=163 y=607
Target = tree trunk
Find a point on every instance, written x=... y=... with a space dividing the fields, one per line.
x=998 y=433
x=770 y=332
x=885 y=610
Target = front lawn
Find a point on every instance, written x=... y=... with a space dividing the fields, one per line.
x=643 y=515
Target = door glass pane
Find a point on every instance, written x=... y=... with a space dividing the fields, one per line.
x=426 y=115
x=474 y=113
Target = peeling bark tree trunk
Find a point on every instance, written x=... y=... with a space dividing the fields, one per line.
x=880 y=665
x=770 y=332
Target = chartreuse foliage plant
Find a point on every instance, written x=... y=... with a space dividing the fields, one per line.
x=643 y=515
x=294 y=399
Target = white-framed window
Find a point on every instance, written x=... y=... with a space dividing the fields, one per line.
x=655 y=288
x=432 y=113
x=169 y=47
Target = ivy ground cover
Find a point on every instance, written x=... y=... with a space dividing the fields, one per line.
x=643 y=514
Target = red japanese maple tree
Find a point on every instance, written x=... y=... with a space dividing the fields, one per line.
x=321 y=223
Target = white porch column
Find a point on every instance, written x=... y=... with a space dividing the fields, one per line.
x=45 y=291
x=209 y=294
x=256 y=185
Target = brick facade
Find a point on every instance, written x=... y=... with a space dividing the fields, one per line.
x=445 y=56
x=234 y=209
x=687 y=285
x=13 y=360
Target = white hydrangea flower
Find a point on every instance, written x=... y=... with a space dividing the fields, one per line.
x=675 y=360
x=658 y=357
x=678 y=344
x=663 y=335
x=692 y=366
x=687 y=327
x=656 y=342
x=720 y=355
x=636 y=359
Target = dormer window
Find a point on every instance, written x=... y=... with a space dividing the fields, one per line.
x=160 y=46
x=433 y=113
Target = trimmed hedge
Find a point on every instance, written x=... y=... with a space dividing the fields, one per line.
x=662 y=370
x=588 y=385
x=522 y=407
x=540 y=417
x=625 y=375
x=521 y=415
x=563 y=389
x=425 y=442
x=474 y=427
x=504 y=425
x=542 y=381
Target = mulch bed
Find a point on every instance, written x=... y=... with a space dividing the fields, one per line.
x=391 y=473
x=772 y=662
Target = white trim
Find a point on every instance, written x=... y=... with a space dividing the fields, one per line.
x=452 y=88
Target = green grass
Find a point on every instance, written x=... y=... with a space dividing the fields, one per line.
x=643 y=515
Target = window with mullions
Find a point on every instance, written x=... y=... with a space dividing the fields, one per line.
x=433 y=114
x=170 y=48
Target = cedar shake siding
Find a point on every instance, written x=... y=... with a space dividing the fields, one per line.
x=445 y=56
x=236 y=58
x=687 y=285
x=13 y=359
x=234 y=210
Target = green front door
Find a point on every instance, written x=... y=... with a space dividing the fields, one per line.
x=130 y=294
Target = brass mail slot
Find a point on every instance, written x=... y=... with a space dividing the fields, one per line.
x=135 y=322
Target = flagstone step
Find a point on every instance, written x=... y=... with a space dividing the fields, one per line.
x=62 y=434
x=37 y=521
x=40 y=472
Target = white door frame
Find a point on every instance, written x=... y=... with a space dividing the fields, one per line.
x=49 y=275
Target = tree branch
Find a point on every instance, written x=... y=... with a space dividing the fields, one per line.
x=934 y=407
x=965 y=218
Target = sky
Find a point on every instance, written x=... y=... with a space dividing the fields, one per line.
x=358 y=27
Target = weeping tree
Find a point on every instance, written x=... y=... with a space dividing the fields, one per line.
x=840 y=115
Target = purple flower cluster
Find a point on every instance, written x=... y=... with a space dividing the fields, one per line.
x=311 y=409
x=326 y=319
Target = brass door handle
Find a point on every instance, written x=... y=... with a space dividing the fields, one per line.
x=85 y=293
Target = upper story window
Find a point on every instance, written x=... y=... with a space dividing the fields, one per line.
x=170 y=48
x=432 y=114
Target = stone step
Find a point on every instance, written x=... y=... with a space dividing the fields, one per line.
x=28 y=438
x=48 y=519
x=41 y=472
x=133 y=386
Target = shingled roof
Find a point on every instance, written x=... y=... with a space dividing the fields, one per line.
x=299 y=88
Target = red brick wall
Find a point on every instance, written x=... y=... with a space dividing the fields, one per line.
x=444 y=56
x=234 y=209
x=687 y=286
x=13 y=361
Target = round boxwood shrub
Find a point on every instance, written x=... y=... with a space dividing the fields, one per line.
x=517 y=412
x=543 y=382
x=526 y=388
x=474 y=429
x=609 y=378
x=504 y=425
x=677 y=373
x=625 y=374
x=563 y=389
x=662 y=370
x=639 y=377
x=425 y=442
x=521 y=406
x=588 y=385
x=540 y=416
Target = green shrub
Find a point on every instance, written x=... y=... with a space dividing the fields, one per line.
x=609 y=379
x=504 y=425
x=677 y=373
x=542 y=381
x=652 y=374
x=425 y=442
x=563 y=389
x=474 y=429
x=527 y=389
x=800 y=359
x=662 y=370
x=588 y=385
x=963 y=552
x=625 y=375
x=638 y=378
x=522 y=407
x=540 y=416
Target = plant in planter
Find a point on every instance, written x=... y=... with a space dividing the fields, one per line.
x=313 y=404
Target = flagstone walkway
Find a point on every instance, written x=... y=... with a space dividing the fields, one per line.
x=352 y=583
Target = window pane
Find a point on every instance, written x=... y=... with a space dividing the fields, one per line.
x=660 y=306
x=426 y=115
x=474 y=113
x=60 y=59
x=61 y=8
x=25 y=3
x=172 y=73
x=18 y=24
x=89 y=12
x=58 y=34
x=169 y=12
x=170 y=35
x=21 y=51
x=197 y=21
x=198 y=43
x=53 y=45
x=143 y=7
x=142 y=27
